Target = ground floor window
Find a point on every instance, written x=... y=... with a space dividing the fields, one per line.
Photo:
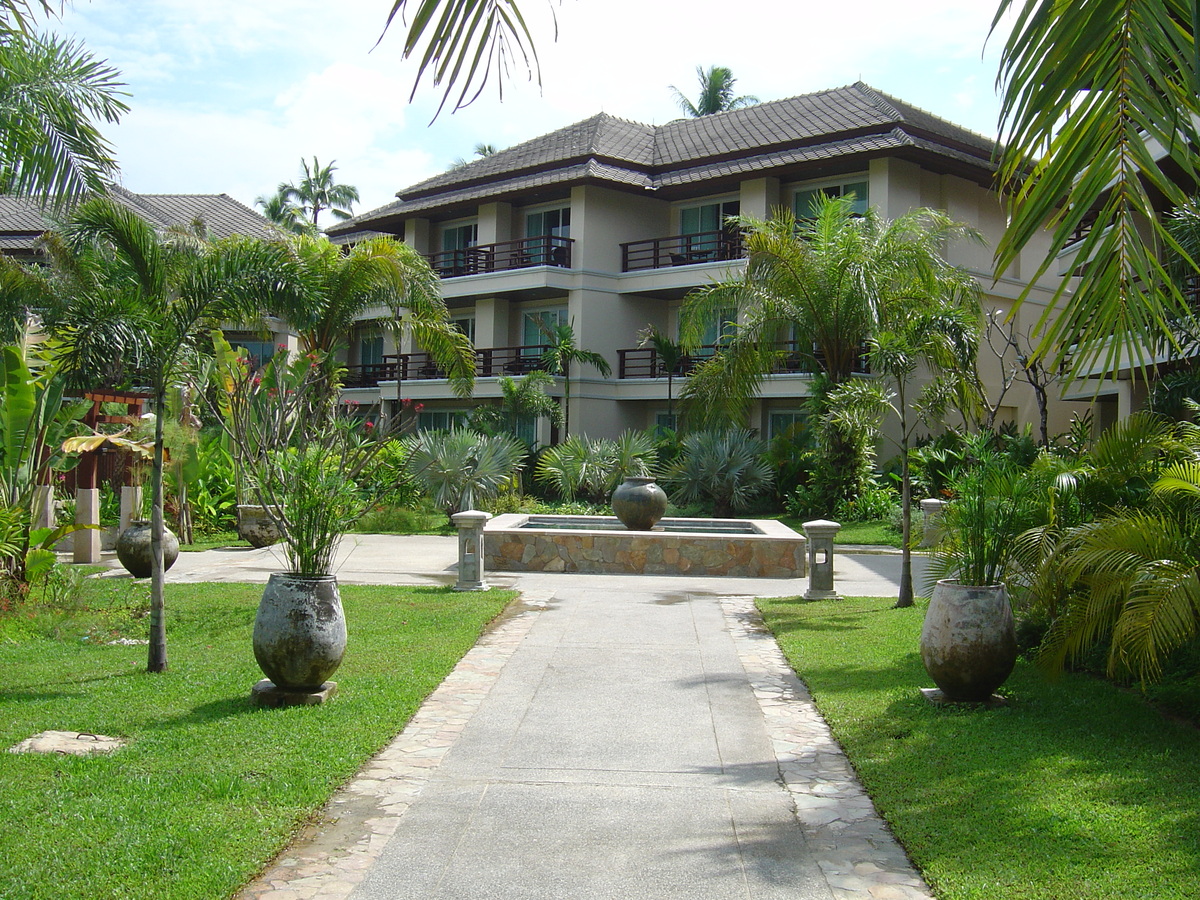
x=440 y=419
x=785 y=423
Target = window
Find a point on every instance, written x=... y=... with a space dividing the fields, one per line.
x=722 y=326
x=456 y=256
x=704 y=230
x=370 y=348
x=258 y=351
x=785 y=423
x=807 y=199
x=664 y=422
x=460 y=237
x=465 y=324
x=550 y=318
x=547 y=224
x=440 y=419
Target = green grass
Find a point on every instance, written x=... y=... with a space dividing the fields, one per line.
x=214 y=541
x=878 y=533
x=210 y=788
x=1078 y=790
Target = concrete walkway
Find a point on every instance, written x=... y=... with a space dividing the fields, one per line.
x=611 y=737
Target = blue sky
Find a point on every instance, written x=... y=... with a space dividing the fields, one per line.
x=228 y=95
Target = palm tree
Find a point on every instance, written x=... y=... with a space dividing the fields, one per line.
x=283 y=212
x=942 y=335
x=829 y=282
x=728 y=468
x=521 y=401
x=1089 y=89
x=318 y=192
x=381 y=272
x=460 y=467
x=481 y=151
x=136 y=299
x=562 y=352
x=670 y=356
x=52 y=94
x=716 y=93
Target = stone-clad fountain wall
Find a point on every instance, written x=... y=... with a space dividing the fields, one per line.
x=750 y=548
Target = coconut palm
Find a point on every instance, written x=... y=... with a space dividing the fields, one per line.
x=716 y=93
x=561 y=353
x=317 y=192
x=280 y=210
x=134 y=299
x=52 y=95
x=669 y=355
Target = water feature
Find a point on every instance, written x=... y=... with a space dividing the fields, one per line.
x=747 y=548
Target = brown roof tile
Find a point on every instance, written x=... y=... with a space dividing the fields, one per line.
x=845 y=121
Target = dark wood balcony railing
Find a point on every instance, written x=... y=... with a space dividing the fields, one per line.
x=681 y=250
x=644 y=362
x=489 y=362
x=547 y=250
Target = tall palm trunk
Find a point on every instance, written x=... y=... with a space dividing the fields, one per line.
x=157 y=661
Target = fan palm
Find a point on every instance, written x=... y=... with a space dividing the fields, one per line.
x=726 y=468
x=460 y=467
x=317 y=191
x=716 y=93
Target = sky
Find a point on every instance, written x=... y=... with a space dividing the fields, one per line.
x=227 y=96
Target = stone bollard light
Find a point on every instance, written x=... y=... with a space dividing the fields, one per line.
x=820 y=559
x=470 y=524
x=931 y=511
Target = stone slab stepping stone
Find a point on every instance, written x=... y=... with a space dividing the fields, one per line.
x=72 y=743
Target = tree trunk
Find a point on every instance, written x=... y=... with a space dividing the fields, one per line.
x=157 y=661
x=906 y=580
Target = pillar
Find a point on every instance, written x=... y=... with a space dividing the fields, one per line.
x=470 y=549
x=87 y=512
x=931 y=511
x=820 y=533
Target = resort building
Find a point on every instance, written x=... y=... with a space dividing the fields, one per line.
x=608 y=224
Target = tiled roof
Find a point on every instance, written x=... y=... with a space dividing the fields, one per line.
x=22 y=220
x=843 y=122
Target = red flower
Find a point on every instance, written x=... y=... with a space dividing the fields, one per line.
x=419 y=407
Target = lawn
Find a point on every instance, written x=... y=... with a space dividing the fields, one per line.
x=879 y=532
x=1076 y=790
x=210 y=788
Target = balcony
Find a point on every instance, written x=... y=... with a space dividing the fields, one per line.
x=505 y=256
x=643 y=362
x=681 y=250
x=489 y=362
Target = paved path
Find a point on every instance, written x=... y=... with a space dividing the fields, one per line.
x=612 y=737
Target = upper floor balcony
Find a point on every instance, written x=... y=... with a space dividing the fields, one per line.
x=644 y=362
x=489 y=363
x=547 y=250
x=681 y=250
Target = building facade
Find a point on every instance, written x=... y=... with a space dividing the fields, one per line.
x=608 y=224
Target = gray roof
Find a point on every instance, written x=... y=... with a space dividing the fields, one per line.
x=22 y=220
x=847 y=123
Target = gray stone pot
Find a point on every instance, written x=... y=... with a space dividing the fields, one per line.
x=968 y=641
x=300 y=630
x=133 y=548
x=639 y=503
x=255 y=526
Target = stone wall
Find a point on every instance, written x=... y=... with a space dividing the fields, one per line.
x=508 y=547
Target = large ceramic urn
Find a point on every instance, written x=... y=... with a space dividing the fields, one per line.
x=300 y=631
x=256 y=527
x=639 y=503
x=968 y=642
x=133 y=548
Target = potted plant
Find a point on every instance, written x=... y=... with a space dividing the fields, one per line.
x=305 y=456
x=968 y=641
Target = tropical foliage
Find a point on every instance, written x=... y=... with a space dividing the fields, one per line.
x=522 y=403
x=593 y=469
x=561 y=354
x=460 y=468
x=716 y=93
x=726 y=469
x=317 y=192
x=1098 y=121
